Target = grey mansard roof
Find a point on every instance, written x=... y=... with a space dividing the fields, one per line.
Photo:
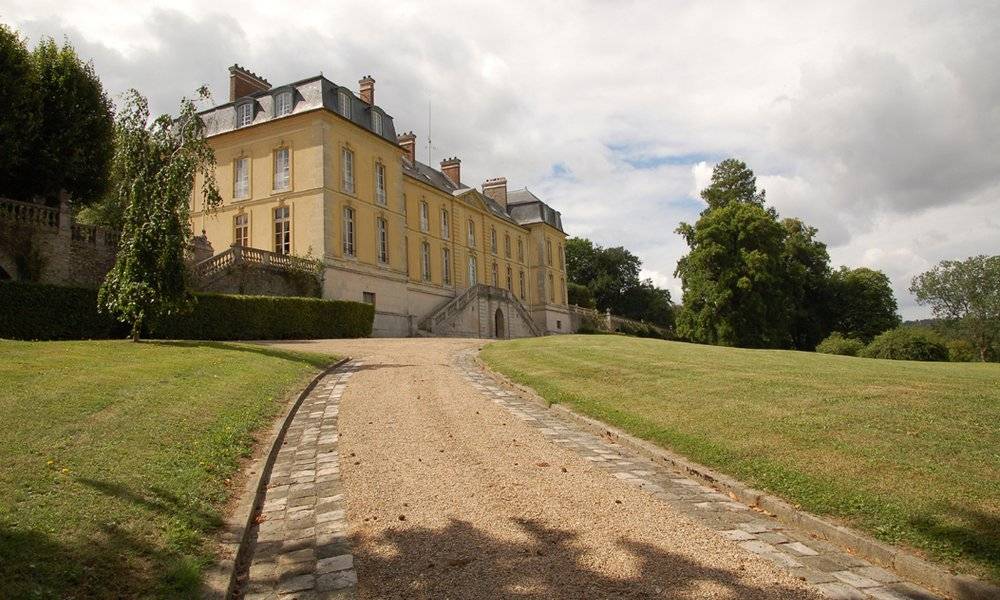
x=526 y=208
x=308 y=94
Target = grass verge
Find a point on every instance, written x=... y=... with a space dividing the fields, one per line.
x=907 y=451
x=117 y=459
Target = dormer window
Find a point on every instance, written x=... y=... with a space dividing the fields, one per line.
x=244 y=114
x=283 y=103
x=344 y=103
x=377 y=122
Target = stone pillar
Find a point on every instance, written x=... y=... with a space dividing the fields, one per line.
x=58 y=269
x=607 y=320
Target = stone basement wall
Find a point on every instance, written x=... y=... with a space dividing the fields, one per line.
x=257 y=281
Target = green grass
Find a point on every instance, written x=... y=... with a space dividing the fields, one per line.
x=116 y=459
x=907 y=451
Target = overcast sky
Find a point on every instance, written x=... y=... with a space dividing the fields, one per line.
x=876 y=122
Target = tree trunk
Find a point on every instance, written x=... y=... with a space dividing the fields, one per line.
x=136 y=327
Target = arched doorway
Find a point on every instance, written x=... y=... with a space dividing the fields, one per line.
x=499 y=328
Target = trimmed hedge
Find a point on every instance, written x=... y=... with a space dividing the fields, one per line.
x=907 y=343
x=32 y=311
x=836 y=343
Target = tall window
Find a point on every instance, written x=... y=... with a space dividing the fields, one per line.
x=348 y=231
x=347 y=170
x=520 y=280
x=445 y=224
x=506 y=245
x=472 y=233
x=282 y=230
x=380 y=183
x=244 y=114
x=241 y=226
x=562 y=258
x=424 y=216
x=520 y=250
x=548 y=252
x=494 y=272
x=446 y=266
x=493 y=239
x=383 y=240
x=473 y=271
x=377 y=122
x=510 y=280
x=281 y=169
x=552 y=289
x=241 y=178
x=283 y=104
x=345 y=103
x=425 y=261
x=562 y=291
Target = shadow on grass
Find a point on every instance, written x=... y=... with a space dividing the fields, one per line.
x=973 y=534
x=460 y=561
x=309 y=358
x=158 y=500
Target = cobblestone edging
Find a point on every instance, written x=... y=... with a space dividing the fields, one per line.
x=834 y=572
x=300 y=548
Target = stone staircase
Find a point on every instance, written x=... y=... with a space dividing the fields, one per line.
x=245 y=270
x=488 y=299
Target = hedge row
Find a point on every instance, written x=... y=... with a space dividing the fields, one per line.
x=902 y=343
x=30 y=311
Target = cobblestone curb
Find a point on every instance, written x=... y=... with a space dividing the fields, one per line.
x=841 y=568
x=222 y=580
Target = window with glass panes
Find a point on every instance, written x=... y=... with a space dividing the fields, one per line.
x=241 y=178
x=520 y=250
x=424 y=216
x=347 y=170
x=241 y=230
x=445 y=224
x=348 y=231
x=376 y=122
x=244 y=114
x=493 y=240
x=282 y=169
x=283 y=104
x=520 y=281
x=345 y=103
x=283 y=230
x=510 y=280
x=472 y=233
x=495 y=272
x=380 y=183
x=446 y=266
x=473 y=271
x=383 y=240
x=548 y=252
x=425 y=261
x=506 y=245
x=552 y=289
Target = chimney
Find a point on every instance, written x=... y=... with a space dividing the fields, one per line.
x=367 y=89
x=243 y=83
x=496 y=190
x=452 y=169
x=408 y=142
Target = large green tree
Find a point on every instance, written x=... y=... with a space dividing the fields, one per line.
x=806 y=266
x=862 y=304
x=154 y=170
x=19 y=112
x=732 y=182
x=966 y=293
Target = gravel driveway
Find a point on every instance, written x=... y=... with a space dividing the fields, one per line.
x=449 y=496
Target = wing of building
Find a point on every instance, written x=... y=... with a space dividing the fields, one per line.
x=312 y=169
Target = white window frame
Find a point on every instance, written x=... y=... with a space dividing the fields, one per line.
x=344 y=103
x=347 y=170
x=520 y=250
x=521 y=283
x=495 y=273
x=445 y=224
x=241 y=185
x=376 y=121
x=283 y=103
x=506 y=245
x=473 y=272
x=241 y=223
x=282 y=176
x=282 y=217
x=380 y=183
x=425 y=261
x=244 y=114
x=510 y=280
x=548 y=252
x=425 y=215
x=349 y=230
x=446 y=266
x=493 y=239
x=472 y=233
x=383 y=239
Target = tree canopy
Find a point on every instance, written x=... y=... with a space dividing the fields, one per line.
x=57 y=124
x=862 y=303
x=154 y=170
x=967 y=293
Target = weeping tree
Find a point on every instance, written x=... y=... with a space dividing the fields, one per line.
x=153 y=175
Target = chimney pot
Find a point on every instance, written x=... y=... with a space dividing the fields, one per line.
x=243 y=82
x=367 y=89
x=408 y=142
x=496 y=189
x=452 y=169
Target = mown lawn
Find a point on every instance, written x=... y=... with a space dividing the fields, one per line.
x=907 y=451
x=116 y=458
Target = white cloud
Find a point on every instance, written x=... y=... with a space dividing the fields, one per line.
x=877 y=123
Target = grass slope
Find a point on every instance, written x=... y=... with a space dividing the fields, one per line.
x=908 y=451
x=116 y=459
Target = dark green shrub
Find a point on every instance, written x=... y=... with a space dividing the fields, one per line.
x=836 y=343
x=961 y=351
x=907 y=343
x=38 y=311
x=580 y=295
x=31 y=311
x=640 y=330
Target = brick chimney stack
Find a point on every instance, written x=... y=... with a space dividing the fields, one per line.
x=243 y=82
x=496 y=190
x=367 y=90
x=452 y=169
x=408 y=142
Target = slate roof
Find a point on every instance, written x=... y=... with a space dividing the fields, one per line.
x=307 y=94
x=526 y=208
